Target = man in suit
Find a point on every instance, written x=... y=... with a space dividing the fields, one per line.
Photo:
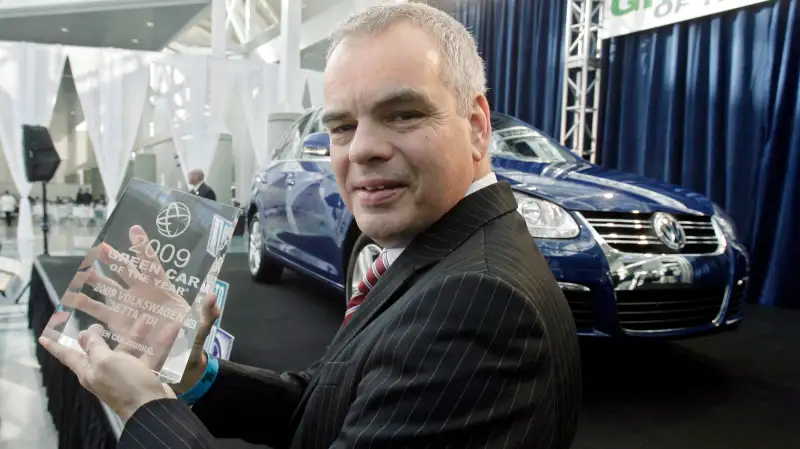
x=199 y=187
x=466 y=341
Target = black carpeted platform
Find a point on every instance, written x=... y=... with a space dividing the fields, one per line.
x=739 y=390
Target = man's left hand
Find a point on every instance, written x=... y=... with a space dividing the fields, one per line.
x=120 y=380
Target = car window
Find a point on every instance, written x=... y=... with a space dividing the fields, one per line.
x=316 y=123
x=511 y=138
x=304 y=122
x=285 y=144
x=290 y=144
x=314 y=126
x=297 y=139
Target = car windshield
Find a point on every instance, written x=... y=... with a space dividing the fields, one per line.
x=512 y=138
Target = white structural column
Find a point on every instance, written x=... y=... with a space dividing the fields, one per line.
x=258 y=86
x=197 y=90
x=297 y=35
x=319 y=27
x=219 y=32
x=290 y=81
x=582 y=70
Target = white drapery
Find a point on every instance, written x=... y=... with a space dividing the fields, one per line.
x=112 y=86
x=198 y=91
x=30 y=76
x=258 y=84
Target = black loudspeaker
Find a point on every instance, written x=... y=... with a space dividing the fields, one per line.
x=41 y=157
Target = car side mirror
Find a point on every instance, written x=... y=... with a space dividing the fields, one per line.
x=317 y=145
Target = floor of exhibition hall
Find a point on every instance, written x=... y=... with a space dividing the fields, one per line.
x=24 y=419
x=737 y=390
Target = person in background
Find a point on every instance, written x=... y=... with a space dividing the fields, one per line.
x=458 y=337
x=8 y=204
x=88 y=198
x=199 y=186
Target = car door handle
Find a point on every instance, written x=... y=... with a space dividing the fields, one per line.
x=290 y=179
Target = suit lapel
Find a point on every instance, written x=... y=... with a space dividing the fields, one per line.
x=453 y=229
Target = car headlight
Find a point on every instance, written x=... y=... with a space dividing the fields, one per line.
x=546 y=220
x=724 y=221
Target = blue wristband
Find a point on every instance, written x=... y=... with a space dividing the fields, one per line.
x=205 y=382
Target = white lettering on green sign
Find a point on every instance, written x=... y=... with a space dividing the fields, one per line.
x=662 y=8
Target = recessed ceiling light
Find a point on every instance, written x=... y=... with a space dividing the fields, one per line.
x=135 y=41
x=65 y=30
x=151 y=24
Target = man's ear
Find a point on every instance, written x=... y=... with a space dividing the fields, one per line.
x=480 y=127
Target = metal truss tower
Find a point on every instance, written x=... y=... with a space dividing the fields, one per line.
x=582 y=74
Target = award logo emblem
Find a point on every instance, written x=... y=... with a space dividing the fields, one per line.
x=173 y=220
x=142 y=282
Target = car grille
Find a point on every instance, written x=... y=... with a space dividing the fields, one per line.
x=633 y=233
x=582 y=305
x=679 y=308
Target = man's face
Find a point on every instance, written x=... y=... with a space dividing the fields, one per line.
x=194 y=179
x=402 y=154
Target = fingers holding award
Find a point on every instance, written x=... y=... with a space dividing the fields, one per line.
x=145 y=277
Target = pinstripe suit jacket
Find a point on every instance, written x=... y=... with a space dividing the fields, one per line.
x=466 y=342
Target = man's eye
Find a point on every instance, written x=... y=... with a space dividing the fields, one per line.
x=405 y=115
x=342 y=129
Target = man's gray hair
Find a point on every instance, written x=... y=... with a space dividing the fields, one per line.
x=462 y=66
x=199 y=173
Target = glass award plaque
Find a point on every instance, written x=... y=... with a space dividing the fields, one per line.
x=143 y=281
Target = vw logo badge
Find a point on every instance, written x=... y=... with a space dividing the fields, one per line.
x=669 y=231
x=173 y=220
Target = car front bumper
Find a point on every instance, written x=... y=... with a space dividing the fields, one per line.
x=614 y=294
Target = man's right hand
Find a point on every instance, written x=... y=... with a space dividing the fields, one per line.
x=197 y=359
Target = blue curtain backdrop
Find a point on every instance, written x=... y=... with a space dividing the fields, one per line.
x=522 y=42
x=714 y=105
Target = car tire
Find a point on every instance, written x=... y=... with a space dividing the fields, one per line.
x=262 y=268
x=362 y=247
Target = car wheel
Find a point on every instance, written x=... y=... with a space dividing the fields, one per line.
x=363 y=255
x=262 y=268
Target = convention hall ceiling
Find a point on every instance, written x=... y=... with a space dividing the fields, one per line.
x=134 y=24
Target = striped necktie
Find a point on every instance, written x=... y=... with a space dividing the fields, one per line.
x=369 y=280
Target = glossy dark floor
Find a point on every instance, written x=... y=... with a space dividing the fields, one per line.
x=738 y=390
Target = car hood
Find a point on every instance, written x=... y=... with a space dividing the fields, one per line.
x=582 y=186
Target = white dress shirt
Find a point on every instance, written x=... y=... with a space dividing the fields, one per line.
x=393 y=253
x=196 y=188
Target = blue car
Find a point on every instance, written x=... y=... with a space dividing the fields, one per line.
x=634 y=257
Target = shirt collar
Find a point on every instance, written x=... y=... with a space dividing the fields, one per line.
x=393 y=253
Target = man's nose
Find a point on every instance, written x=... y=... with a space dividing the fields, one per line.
x=368 y=146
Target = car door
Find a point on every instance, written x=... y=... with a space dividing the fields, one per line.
x=316 y=207
x=272 y=184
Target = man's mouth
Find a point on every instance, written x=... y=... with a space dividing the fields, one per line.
x=378 y=184
x=377 y=194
